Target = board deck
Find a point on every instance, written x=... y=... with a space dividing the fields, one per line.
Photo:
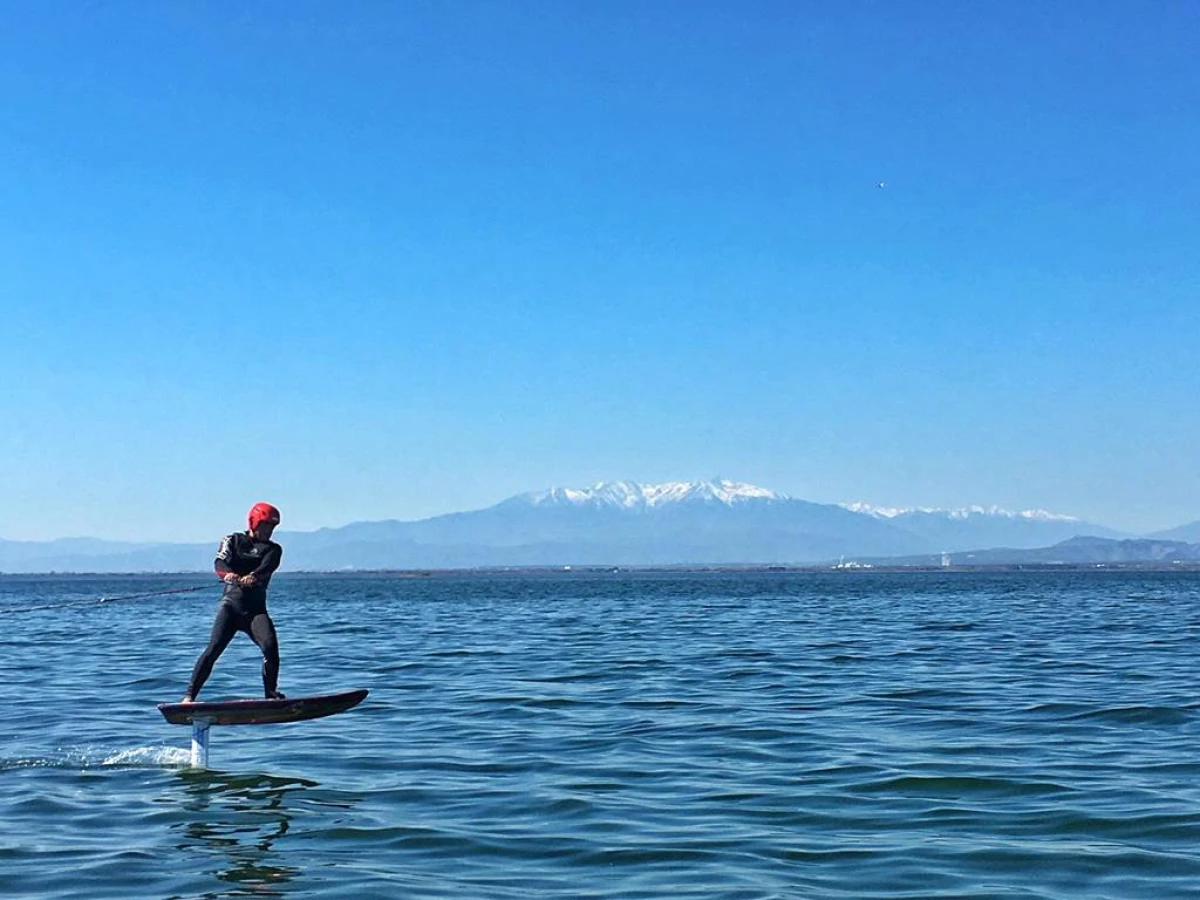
x=259 y=711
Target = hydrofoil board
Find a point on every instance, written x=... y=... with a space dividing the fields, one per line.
x=260 y=711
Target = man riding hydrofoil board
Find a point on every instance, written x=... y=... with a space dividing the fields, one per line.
x=245 y=562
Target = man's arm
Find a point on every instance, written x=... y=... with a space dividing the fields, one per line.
x=224 y=557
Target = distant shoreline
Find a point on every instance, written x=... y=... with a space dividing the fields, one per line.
x=859 y=569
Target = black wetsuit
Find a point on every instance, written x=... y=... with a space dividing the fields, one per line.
x=243 y=609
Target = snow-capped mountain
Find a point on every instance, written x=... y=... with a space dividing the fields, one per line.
x=715 y=521
x=632 y=495
x=964 y=512
x=611 y=523
x=974 y=527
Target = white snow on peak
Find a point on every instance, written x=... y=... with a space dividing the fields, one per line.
x=632 y=495
x=965 y=512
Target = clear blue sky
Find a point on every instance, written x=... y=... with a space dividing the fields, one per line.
x=386 y=260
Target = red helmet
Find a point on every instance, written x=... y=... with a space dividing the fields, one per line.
x=262 y=512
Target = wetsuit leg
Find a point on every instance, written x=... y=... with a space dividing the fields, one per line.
x=262 y=629
x=226 y=624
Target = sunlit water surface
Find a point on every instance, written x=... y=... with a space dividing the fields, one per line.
x=615 y=735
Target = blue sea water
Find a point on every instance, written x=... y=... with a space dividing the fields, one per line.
x=615 y=735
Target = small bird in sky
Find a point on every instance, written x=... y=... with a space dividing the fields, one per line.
x=881 y=184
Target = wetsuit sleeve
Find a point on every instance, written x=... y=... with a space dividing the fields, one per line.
x=221 y=565
x=269 y=563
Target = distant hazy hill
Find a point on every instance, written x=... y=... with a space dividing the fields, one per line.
x=92 y=555
x=1189 y=533
x=614 y=523
x=1074 y=551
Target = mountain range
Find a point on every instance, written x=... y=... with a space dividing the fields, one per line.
x=625 y=523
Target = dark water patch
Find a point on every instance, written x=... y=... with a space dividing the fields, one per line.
x=1137 y=715
x=959 y=786
x=848 y=659
x=948 y=626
